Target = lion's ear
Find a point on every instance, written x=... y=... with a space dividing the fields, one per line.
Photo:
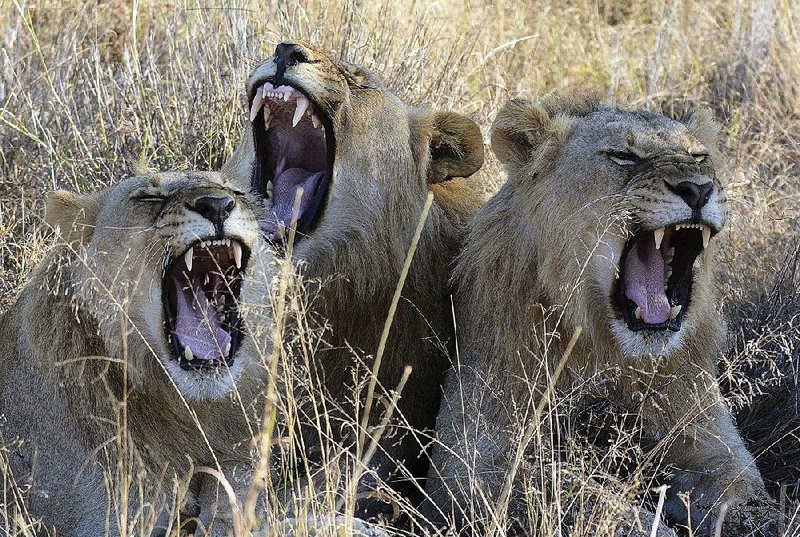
x=456 y=146
x=703 y=126
x=519 y=128
x=73 y=215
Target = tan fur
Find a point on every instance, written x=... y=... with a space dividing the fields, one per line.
x=86 y=335
x=540 y=259
x=388 y=156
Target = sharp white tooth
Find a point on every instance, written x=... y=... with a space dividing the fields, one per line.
x=187 y=353
x=258 y=100
x=300 y=108
x=678 y=226
x=638 y=313
x=286 y=97
x=674 y=311
x=188 y=257
x=659 y=236
x=267 y=117
x=205 y=282
x=706 y=235
x=315 y=121
x=237 y=254
x=227 y=349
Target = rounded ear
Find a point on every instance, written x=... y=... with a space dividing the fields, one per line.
x=456 y=147
x=72 y=215
x=519 y=128
x=703 y=126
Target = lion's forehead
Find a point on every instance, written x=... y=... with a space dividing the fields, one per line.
x=641 y=132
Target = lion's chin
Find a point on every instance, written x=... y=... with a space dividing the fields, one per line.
x=294 y=147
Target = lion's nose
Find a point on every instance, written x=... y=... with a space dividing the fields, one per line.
x=695 y=195
x=288 y=54
x=215 y=209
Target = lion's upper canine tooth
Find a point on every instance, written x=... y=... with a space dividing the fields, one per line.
x=659 y=236
x=187 y=353
x=237 y=253
x=706 y=230
x=301 y=105
x=258 y=100
x=187 y=258
x=674 y=311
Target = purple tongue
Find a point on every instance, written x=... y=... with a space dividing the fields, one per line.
x=196 y=322
x=284 y=188
x=644 y=280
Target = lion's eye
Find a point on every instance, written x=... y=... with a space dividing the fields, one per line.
x=149 y=195
x=624 y=159
x=700 y=157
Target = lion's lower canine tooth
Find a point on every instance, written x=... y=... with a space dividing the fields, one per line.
x=237 y=254
x=638 y=313
x=315 y=121
x=706 y=235
x=674 y=311
x=227 y=349
x=300 y=108
x=187 y=258
x=659 y=236
x=187 y=353
x=267 y=116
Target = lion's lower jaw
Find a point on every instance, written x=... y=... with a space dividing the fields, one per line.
x=646 y=344
x=205 y=385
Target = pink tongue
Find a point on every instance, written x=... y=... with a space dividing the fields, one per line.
x=284 y=190
x=644 y=281
x=197 y=324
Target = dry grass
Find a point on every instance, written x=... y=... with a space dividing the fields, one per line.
x=88 y=89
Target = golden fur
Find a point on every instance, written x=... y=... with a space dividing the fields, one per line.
x=543 y=257
x=86 y=334
x=387 y=156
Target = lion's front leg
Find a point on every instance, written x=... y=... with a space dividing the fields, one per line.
x=714 y=475
x=222 y=500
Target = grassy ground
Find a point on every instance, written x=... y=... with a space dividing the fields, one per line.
x=87 y=89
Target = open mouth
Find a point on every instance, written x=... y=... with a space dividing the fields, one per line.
x=654 y=289
x=294 y=147
x=201 y=295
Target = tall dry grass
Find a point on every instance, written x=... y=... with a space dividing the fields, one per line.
x=88 y=89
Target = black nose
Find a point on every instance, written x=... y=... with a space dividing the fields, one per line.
x=288 y=54
x=693 y=194
x=214 y=209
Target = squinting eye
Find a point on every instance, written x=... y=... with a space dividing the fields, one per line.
x=624 y=159
x=149 y=198
x=148 y=195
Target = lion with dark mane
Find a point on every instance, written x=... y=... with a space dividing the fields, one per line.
x=607 y=222
x=364 y=162
x=127 y=360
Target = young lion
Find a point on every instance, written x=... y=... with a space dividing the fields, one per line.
x=127 y=355
x=365 y=162
x=607 y=222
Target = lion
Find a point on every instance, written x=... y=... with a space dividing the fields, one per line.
x=365 y=162
x=608 y=222
x=134 y=333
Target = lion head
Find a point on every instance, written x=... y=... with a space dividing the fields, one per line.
x=634 y=193
x=162 y=264
x=362 y=159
